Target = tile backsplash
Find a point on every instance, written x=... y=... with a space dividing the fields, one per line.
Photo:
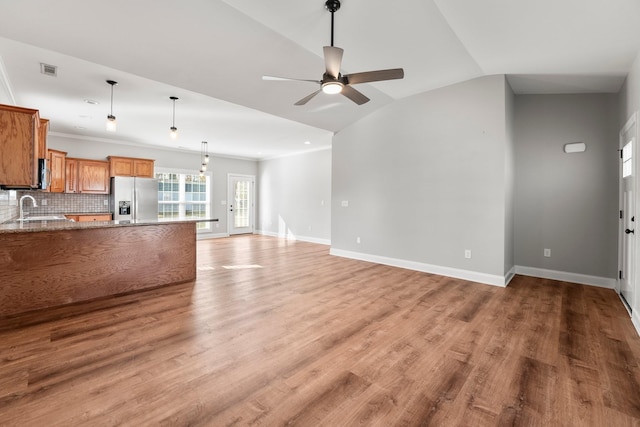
x=8 y=205
x=61 y=203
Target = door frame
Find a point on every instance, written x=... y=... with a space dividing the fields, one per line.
x=230 y=201
x=633 y=267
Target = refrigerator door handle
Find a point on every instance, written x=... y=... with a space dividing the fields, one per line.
x=134 y=195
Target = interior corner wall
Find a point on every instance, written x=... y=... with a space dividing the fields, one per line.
x=567 y=203
x=295 y=196
x=421 y=181
x=219 y=166
x=509 y=180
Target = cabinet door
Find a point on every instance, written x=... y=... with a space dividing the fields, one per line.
x=121 y=166
x=143 y=168
x=71 y=176
x=90 y=218
x=42 y=139
x=93 y=177
x=57 y=170
x=18 y=145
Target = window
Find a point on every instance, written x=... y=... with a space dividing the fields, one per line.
x=184 y=195
x=627 y=155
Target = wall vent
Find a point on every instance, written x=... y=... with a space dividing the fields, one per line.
x=49 y=70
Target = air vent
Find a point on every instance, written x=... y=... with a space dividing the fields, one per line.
x=49 y=70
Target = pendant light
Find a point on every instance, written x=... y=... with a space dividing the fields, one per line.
x=173 y=130
x=111 y=119
x=204 y=157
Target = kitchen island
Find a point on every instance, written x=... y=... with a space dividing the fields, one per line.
x=61 y=262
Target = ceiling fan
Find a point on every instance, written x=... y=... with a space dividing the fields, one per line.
x=332 y=81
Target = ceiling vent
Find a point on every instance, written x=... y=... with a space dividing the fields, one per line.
x=49 y=70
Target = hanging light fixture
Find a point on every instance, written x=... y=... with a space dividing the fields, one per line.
x=173 y=130
x=204 y=157
x=111 y=119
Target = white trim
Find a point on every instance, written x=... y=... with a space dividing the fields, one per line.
x=297 y=153
x=205 y=236
x=563 y=276
x=290 y=236
x=635 y=319
x=509 y=276
x=473 y=276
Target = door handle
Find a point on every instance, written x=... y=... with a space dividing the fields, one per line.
x=630 y=231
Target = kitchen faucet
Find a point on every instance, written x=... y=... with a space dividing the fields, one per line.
x=35 y=205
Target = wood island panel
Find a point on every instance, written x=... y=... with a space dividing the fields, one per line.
x=52 y=268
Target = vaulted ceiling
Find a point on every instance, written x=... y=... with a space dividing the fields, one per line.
x=211 y=54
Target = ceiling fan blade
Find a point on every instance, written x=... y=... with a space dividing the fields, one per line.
x=374 y=76
x=308 y=97
x=289 y=79
x=354 y=95
x=333 y=60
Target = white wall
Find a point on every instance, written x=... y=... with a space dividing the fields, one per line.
x=424 y=179
x=295 y=196
x=219 y=166
x=567 y=203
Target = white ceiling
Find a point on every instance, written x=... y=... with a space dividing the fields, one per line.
x=212 y=54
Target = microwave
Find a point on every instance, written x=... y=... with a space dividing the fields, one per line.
x=43 y=174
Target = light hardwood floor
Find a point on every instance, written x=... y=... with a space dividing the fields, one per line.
x=281 y=333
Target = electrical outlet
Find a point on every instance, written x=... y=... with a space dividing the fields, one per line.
x=105 y=202
x=310 y=228
x=467 y=253
x=547 y=253
x=43 y=202
x=358 y=240
x=345 y=203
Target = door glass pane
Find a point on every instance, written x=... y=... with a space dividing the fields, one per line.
x=241 y=212
x=627 y=165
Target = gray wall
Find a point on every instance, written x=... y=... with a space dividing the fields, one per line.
x=219 y=166
x=567 y=202
x=295 y=196
x=424 y=178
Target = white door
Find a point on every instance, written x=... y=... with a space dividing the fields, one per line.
x=241 y=204
x=627 y=212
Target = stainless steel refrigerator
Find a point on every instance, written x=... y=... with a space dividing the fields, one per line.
x=134 y=198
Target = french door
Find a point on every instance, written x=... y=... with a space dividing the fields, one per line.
x=241 y=205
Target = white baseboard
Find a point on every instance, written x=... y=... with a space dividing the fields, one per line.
x=563 y=276
x=473 y=276
x=635 y=319
x=204 y=236
x=290 y=236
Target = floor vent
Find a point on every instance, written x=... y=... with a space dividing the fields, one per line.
x=49 y=70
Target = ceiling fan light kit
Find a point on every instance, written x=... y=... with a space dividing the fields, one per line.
x=333 y=82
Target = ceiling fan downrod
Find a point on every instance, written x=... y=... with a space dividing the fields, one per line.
x=332 y=6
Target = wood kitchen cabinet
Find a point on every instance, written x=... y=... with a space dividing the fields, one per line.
x=19 y=139
x=43 y=133
x=57 y=171
x=89 y=217
x=131 y=166
x=86 y=176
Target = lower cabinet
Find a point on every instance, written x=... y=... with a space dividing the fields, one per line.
x=89 y=217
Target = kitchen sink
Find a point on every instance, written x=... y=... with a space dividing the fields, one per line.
x=43 y=218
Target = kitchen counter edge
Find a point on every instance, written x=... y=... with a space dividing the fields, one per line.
x=16 y=227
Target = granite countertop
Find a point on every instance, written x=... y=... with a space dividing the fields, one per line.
x=17 y=227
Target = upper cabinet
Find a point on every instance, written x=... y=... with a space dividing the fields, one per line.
x=57 y=171
x=86 y=176
x=130 y=166
x=42 y=139
x=19 y=144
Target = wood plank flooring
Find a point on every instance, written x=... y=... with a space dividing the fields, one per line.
x=281 y=333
